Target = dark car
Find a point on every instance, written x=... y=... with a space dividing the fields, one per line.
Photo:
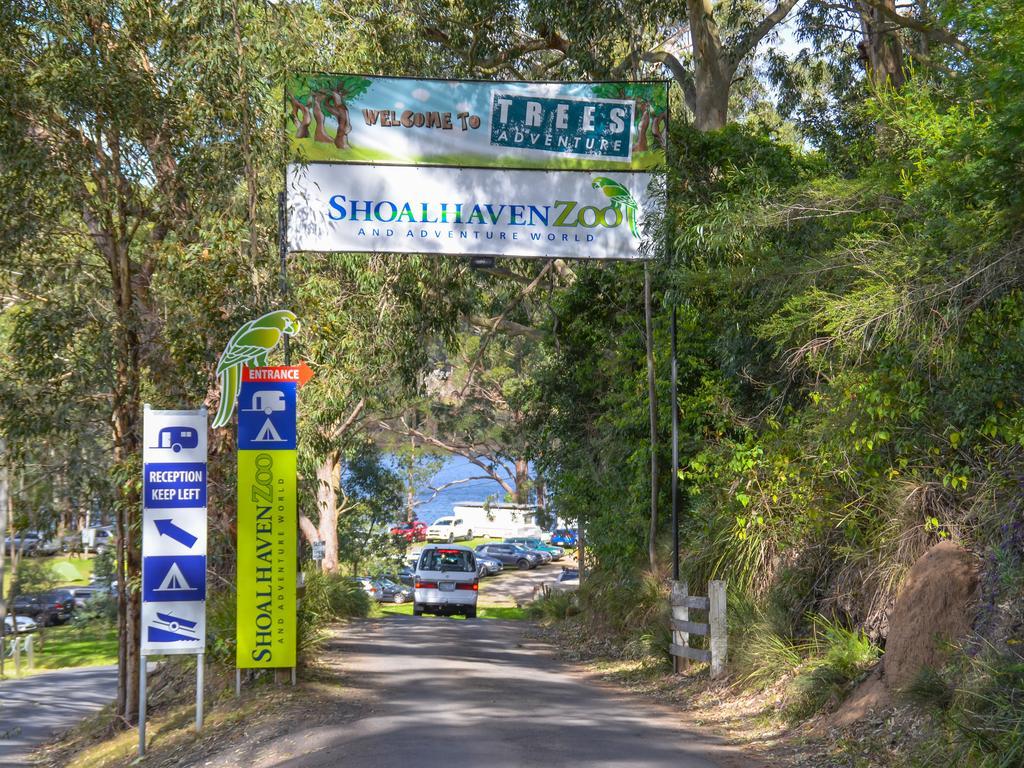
x=510 y=554
x=487 y=565
x=389 y=591
x=564 y=537
x=48 y=608
x=410 y=531
x=407 y=575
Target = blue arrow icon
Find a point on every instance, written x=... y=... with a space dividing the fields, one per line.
x=166 y=527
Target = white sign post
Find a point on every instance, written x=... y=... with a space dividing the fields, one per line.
x=173 y=544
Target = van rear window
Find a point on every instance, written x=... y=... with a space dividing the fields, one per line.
x=447 y=560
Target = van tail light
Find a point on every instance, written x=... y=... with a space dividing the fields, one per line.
x=426 y=585
x=475 y=586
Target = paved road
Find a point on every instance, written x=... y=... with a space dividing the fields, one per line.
x=515 y=587
x=475 y=694
x=34 y=708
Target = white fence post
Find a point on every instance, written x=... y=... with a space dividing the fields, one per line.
x=17 y=657
x=719 y=627
x=30 y=647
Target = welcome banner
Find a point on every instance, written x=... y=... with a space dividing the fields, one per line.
x=267 y=520
x=401 y=121
x=408 y=209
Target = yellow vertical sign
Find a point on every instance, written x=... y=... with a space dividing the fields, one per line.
x=267 y=518
x=266 y=559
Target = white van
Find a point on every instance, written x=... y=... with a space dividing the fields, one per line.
x=446 y=581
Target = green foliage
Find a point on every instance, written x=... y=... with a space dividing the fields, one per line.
x=554 y=606
x=980 y=718
x=838 y=657
x=759 y=653
x=328 y=598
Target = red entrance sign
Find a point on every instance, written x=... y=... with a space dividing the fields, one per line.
x=300 y=373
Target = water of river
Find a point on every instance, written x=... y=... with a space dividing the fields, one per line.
x=456 y=468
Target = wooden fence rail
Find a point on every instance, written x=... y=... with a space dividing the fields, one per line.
x=714 y=629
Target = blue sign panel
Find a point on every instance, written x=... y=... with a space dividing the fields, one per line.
x=167 y=578
x=174 y=486
x=266 y=416
x=567 y=126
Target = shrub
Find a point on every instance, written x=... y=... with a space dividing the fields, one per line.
x=328 y=597
x=838 y=658
x=554 y=606
x=981 y=721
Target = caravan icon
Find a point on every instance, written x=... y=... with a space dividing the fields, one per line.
x=268 y=401
x=177 y=438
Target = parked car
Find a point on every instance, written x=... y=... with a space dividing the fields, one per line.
x=389 y=591
x=446 y=582
x=511 y=554
x=529 y=542
x=82 y=595
x=48 y=608
x=564 y=537
x=71 y=542
x=27 y=543
x=487 y=565
x=410 y=531
x=569 y=576
x=449 y=529
x=368 y=584
x=97 y=540
x=406 y=575
x=25 y=625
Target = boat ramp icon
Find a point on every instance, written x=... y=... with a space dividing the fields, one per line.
x=169 y=628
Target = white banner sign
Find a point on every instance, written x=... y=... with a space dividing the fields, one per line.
x=410 y=209
x=173 y=532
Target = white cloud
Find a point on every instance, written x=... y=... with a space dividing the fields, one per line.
x=463 y=106
x=399 y=105
x=421 y=93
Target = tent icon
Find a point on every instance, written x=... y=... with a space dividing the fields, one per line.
x=174 y=581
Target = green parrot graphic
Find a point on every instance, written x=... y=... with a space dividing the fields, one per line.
x=621 y=199
x=250 y=346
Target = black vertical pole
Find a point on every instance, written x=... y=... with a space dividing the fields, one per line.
x=675 y=452
x=282 y=252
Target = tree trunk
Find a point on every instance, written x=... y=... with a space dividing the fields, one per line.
x=522 y=481
x=881 y=49
x=712 y=71
x=301 y=126
x=640 y=145
x=4 y=496
x=652 y=397
x=335 y=104
x=318 y=114
x=126 y=439
x=327 y=505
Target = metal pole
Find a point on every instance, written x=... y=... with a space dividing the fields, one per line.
x=238 y=682
x=142 y=705
x=282 y=252
x=199 y=690
x=293 y=676
x=675 y=453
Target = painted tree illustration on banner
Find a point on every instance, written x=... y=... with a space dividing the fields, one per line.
x=312 y=97
x=650 y=118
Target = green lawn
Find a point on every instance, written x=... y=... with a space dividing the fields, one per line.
x=483 y=612
x=86 y=645
x=67 y=571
